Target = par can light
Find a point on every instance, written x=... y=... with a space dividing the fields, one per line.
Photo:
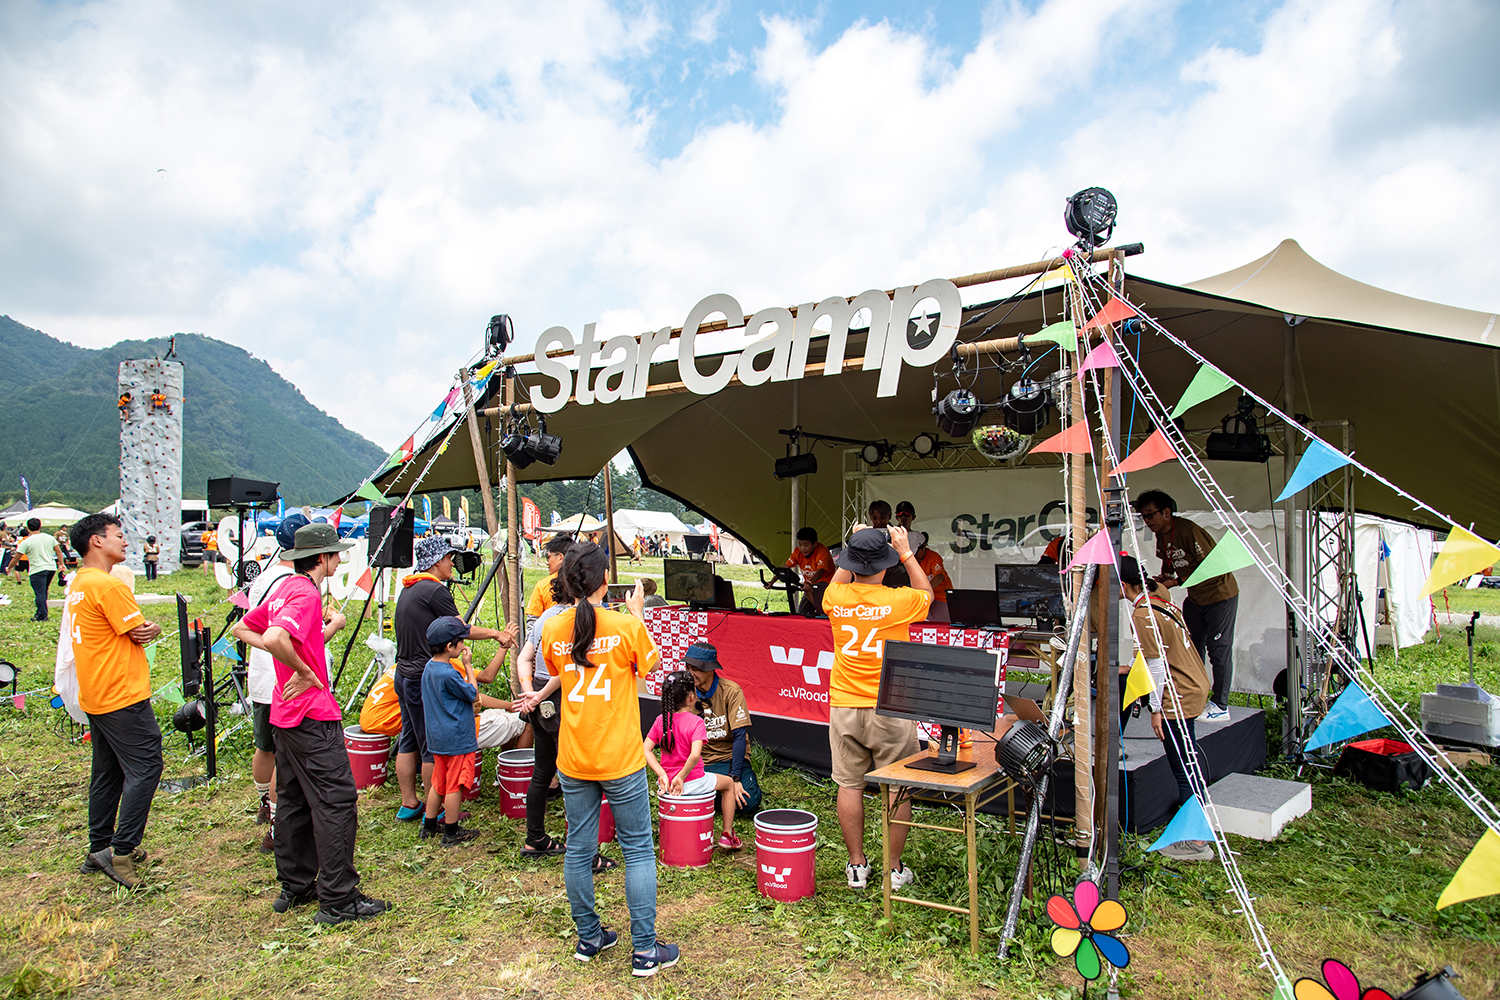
x=958 y=413
x=1027 y=407
x=796 y=465
x=924 y=444
x=1090 y=216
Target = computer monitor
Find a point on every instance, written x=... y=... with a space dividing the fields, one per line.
x=952 y=686
x=688 y=580
x=972 y=607
x=1029 y=592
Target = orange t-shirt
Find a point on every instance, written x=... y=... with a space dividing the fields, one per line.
x=211 y=541
x=541 y=596
x=815 y=568
x=381 y=712
x=864 y=616
x=937 y=575
x=112 y=670
x=600 y=736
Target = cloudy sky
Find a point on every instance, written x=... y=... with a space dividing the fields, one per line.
x=350 y=190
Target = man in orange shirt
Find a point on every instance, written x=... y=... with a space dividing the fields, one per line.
x=541 y=594
x=865 y=614
x=813 y=562
x=108 y=631
x=937 y=575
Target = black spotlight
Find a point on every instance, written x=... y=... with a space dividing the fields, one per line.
x=513 y=444
x=1027 y=407
x=544 y=447
x=1435 y=986
x=1090 y=216
x=498 y=335
x=796 y=465
x=875 y=452
x=1238 y=438
x=190 y=717
x=958 y=412
x=8 y=672
x=924 y=444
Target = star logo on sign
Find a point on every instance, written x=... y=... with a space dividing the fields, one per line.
x=924 y=325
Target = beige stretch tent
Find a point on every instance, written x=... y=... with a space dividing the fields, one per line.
x=1419 y=381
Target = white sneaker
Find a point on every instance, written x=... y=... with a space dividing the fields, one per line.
x=902 y=877
x=858 y=875
x=1213 y=713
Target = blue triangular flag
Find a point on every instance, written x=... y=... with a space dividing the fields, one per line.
x=224 y=647
x=1353 y=714
x=1190 y=823
x=1318 y=461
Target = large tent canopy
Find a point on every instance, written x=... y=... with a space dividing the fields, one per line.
x=1419 y=382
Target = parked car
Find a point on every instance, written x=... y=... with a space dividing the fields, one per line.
x=192 y=542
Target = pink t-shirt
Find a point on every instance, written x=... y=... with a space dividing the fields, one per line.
x=686 y=727
x=298 y=607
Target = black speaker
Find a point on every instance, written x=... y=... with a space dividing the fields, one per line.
x=236 y=492
x=396 y=552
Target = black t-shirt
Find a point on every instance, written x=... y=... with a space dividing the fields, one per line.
x=419 y=605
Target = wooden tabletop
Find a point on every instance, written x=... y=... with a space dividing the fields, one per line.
x=985 y=772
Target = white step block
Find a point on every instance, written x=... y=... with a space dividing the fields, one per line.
x=1253 y=806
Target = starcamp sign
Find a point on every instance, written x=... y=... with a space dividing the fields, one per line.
x=770 y=346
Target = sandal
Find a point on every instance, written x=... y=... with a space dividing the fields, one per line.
x=551 y=849
x=604 y=864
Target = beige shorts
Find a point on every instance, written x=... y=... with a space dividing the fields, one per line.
x=862 y=741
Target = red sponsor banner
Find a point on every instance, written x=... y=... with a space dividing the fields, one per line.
x=531 y=518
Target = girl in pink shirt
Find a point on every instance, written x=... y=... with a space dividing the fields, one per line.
x=680 y=732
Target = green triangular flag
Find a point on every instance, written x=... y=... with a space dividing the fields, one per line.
x=1207 y=384
x=1064 y=335
x=151 y=653
x=172 y=694
x=1229 y=555
x=369 y=492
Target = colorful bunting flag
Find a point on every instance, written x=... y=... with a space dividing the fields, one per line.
x=365 y=582
x=1478 y=876
x=338 y=516
x=1227 y=556
x=1065 y=273
x=408 y=448
x=1190 y=823
x=1073 y=441
x=1102 y=356
x=1155 y=450
x=1099 y=549
x=1318 y=461
x=150 y=652
x=1114 y=310
x=172 y=694
x=1064 y=335
x=1353 y=714
x=1138 y=683
x=19 y=701
x=1205 y=385
x=225 y=648
x=1463 y=554
x=240 y=600
x=370 y=492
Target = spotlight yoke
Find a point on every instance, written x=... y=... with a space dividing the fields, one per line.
x=521 y=445
x=1090 y=216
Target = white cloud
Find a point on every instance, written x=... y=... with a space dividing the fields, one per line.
x=704 y=27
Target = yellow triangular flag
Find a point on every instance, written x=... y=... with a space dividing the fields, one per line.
x=1065 y=273
x=1138 y=683
x=1479 y=875
x=1463 y=555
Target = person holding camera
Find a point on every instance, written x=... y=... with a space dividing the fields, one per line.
x=864 y=615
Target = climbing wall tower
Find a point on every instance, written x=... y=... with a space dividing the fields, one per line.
x=151 y=459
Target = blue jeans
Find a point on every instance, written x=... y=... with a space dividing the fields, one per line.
x=1178 y=737
x=630 y=801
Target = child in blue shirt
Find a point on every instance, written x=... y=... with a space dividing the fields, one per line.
x=448 y=698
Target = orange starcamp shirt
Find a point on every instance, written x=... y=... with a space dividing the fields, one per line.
x=815 y=568
x=937 y=575
x=600 y=737
x=864 y=616
x=112 y=670
x=541 y=596
x=381 y=712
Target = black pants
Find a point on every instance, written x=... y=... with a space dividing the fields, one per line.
x=545 y=747
x=151 y=571
x=317 y=812
x=126 y=771
x=39 y=584
x=1212 y=629
x=1179 y=736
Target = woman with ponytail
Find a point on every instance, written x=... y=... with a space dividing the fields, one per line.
x=597 y=654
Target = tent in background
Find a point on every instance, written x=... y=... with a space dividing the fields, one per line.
x=52 y=516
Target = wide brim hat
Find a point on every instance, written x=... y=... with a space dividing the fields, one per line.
x=316 y=540
x=430 y=551
x=867 y=552
x=702 y=656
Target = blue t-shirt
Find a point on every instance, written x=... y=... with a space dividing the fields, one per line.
x=448 y=707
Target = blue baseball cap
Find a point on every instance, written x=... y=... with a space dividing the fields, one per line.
x=445 y=630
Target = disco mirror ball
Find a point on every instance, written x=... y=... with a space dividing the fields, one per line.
x=998 y=442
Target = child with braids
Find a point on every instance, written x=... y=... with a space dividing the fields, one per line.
x=680 y=732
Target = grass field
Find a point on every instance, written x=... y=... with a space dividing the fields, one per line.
x=1356 y=880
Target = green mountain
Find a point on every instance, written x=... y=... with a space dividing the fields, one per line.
x=59 y=427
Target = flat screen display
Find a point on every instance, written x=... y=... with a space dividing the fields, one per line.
x=688 y=581
x=948 y=685
x=1029 y=592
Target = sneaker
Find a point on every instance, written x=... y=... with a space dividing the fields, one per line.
x=902 y=877
x=287 y=899
x=424 y=833
x=588 y=951
x=460 y=835
x=730 y=842
x=118 y=867
x=1213 y=713
x=858 y=875
x=661 y=956
x=361 y=907
x=1188 y=850
x=89 y=866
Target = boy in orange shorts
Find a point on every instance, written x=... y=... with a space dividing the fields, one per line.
x=448 y=704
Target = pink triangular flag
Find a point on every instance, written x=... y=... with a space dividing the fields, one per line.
x=19 y=701
x=1098 y=549
x=337 y=516
x=240 y=600
x=365 y=582
x=1114 y=310
x=1155 y=450
x=1073 y=441
x=1102 y=356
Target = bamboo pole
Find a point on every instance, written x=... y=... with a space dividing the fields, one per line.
x=1083 y=721
x=513 y=529
x=486 y=491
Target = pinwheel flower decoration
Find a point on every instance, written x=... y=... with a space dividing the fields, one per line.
x=1341 y=985
x=1080 y=927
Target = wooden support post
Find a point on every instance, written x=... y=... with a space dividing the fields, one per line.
x=1083 y=721
x=609 y=524
x=513 y=611
x=486 y=488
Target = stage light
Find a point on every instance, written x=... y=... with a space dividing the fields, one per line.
x=543 y=447
x=1090 y=216
x=513 y=444
x=1027 y=407
x=1025 y=753
x=498 y=335
x=796 y=465
x=957 y=413
x=190 y=717
x=1238 y=438
x=875 y=452
x=924 y=444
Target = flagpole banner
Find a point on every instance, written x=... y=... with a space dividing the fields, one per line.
x=1205 y=385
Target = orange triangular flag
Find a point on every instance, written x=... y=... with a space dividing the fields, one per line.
x=408 y=448
x=1073 y=441
x=1114 y=310
x=1155 y=450
x=365 y=582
